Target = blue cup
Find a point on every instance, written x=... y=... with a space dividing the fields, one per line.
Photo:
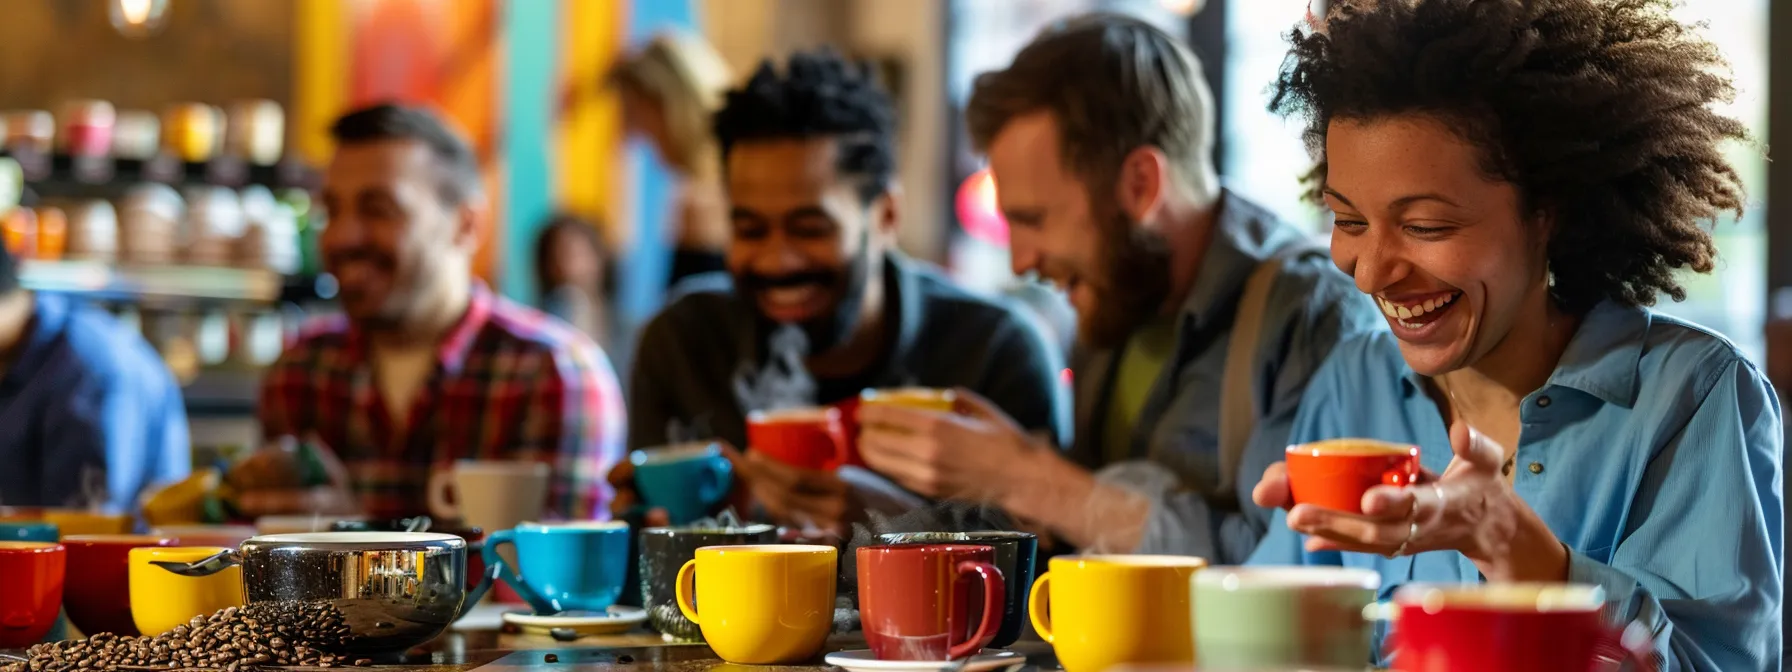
x=29 y=530
x=565 y=566
x=684 y=480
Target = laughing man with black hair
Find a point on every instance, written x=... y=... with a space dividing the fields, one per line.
x=818 y=304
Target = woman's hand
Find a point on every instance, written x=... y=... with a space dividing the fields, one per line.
x=1470 y=509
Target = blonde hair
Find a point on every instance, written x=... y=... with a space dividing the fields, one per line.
x=688 y=79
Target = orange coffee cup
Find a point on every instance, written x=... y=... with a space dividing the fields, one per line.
x=1334 y=474
x=810 y=438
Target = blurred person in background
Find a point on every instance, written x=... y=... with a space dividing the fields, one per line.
x=669 y=90
x=574 y=273
x=1514 y=183
x=1100 y=140
x=90 y=417
x=818 y=303
x=426 y=365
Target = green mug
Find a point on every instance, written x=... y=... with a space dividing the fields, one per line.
x=1254 y=617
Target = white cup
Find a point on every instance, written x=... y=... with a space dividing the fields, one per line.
x=490 y=495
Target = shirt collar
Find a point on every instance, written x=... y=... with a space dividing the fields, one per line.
x=1244 y=236
x=1601 y=359
x=457 y=344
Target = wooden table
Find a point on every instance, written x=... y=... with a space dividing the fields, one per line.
x=477 y=643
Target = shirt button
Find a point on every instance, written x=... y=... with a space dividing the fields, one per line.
x=1543 y=401
x=1536 y=467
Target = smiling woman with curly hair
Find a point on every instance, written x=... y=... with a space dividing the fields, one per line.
x=1514 y=183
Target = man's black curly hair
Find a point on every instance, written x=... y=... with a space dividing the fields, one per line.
x=818 y=95
x=1599 y=111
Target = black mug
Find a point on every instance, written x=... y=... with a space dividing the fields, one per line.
x=1015 y=554
x=664 y=550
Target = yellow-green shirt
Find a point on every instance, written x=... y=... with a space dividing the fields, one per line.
x=1147 y=352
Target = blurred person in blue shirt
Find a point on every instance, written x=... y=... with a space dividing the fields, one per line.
x=1514 y=183
x=89 y=415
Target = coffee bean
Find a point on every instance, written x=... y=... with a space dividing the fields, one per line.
x=550 y=658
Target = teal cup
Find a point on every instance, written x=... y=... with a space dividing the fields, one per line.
x=564 y=567
x=29 y=530
x=1277 y=617
x=686 y=481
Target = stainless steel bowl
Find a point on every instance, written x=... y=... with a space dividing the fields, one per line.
x=395 y=589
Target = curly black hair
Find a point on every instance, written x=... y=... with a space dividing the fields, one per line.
x=1600 y=112
x=819 y=95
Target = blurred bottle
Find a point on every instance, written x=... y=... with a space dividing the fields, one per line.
x=255 y=131
x=136 y=135
x=191 y=131
x=52 y=233
x=19 y=230
x=30 y=131
x=87 y=127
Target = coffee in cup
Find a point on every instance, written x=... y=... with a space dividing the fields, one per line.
x=924 y=398
x=761 y=605
x=809 y=438
x=1276 y=617
x=929 y=601
x=1335 y=474
x=1099 y=611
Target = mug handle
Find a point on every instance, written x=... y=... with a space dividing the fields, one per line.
x=503 y=572
x=441 y=483
x=995 y=592
x=713 y=481
x=683 y=589
x=1039 y=608
x=492 y=570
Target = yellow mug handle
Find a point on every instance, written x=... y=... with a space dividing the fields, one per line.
x=685 y=586
x=1038 y=607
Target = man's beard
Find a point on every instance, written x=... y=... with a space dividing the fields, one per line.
x=1135 y=282
x=829 y=330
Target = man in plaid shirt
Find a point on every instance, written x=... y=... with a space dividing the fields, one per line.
x=427 y=365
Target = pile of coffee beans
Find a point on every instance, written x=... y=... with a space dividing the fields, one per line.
x=238 y=638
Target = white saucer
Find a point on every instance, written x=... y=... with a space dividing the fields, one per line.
x=613 y=620
x=863 y=660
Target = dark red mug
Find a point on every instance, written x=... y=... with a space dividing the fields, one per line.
x=31 y=577
x=810 y=438
x=100 y=599
x=1538 y=627
x=916 y=600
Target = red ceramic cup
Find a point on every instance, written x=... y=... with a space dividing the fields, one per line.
x=100 y=599
x=31 y=575
x=922 y=602
x=810 y=438
x=1538 y=627
x=1334 y=474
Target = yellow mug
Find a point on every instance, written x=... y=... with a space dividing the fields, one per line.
x=76 y=521
x=924 y=398
x=764 y=604
x=1099 y=611
x=161 y=599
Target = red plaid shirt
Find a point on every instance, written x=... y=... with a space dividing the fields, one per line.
x=509 y=384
